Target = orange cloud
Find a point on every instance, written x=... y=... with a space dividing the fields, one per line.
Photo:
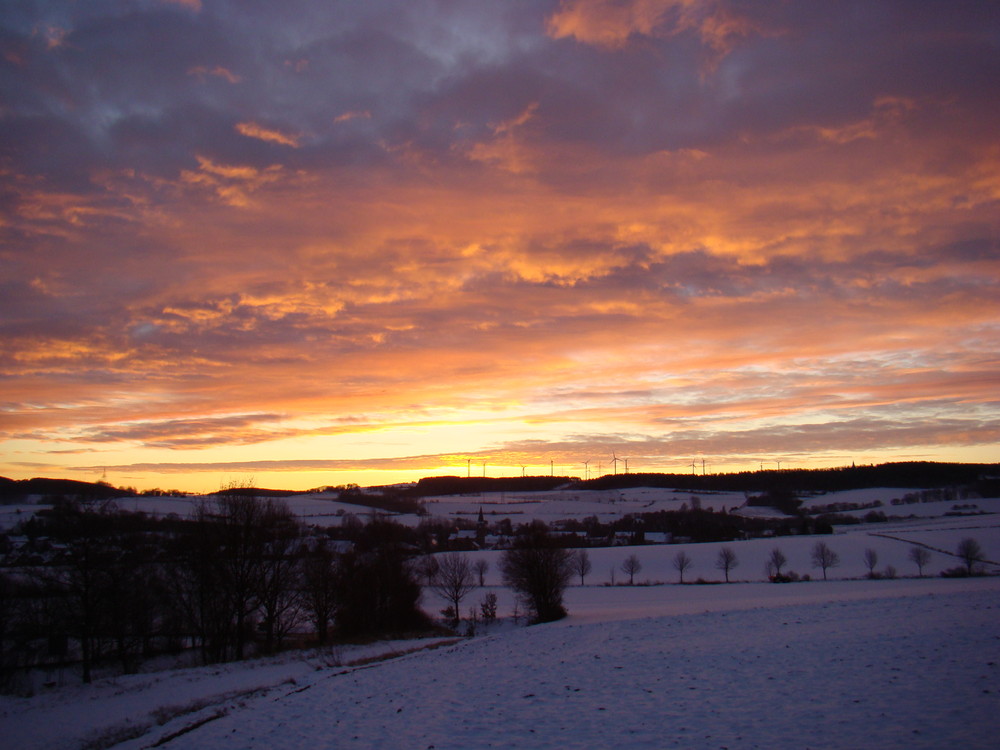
x=220 y=72
x=353 y=115
x=233 y=184
x=612 y=23
x=270 y=135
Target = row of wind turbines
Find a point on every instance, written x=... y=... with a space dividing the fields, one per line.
x=615 y=460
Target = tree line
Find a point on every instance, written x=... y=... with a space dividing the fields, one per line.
x=106 y=587
x=103 y=588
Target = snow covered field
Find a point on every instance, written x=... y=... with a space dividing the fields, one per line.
x=887 y=664
x=557 y=505
x=844 y=663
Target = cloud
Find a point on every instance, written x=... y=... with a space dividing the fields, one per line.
x=269 y=135
x=194 y=5
x=704 y=219
x=353 y=115
x=746 y=448
x=612 y=23
x=202 y=70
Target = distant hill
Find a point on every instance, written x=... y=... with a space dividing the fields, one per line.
x=915 y=474
x=450 y=485
x=259 y=492
x=985 y=478
x=15 y=490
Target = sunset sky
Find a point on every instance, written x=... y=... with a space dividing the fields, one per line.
x=308 y=242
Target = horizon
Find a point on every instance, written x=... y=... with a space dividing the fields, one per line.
x=318 y=245
x=253 y=486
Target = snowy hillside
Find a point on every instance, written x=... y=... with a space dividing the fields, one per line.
x=888 y=664
x=897 y=661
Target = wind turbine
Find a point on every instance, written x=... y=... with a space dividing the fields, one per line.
x=626 y=464
x=586 y=469
x=693 y=467
x=614 y=460
x=522 y=470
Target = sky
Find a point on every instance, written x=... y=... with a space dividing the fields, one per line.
x=315 y=243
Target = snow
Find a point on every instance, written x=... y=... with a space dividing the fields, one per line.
x=558 y=505
x=909 y=663
x=845 y=663
x=72 y=715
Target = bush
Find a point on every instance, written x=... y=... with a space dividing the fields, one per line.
x=789 y=577
x=488 y=608
x=538 y=571
x=955 y=573
x=378 y=593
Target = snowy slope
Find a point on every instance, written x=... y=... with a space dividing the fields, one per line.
x=888 y=664
x=909 y=672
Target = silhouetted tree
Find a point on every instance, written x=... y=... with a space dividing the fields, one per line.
x=630 y=567
x=871 y=560
x=824 y=557
x=538 y=571
x=196 y=586
x=921 y=556
x=82 y=581
x=427 y=567
x=581 y=564
x=481 y=568
x=488 y=608
x=971 y=553
x=319 y=580
x=377 y=590
x=726 y=561
x=682 y=561
x=775 y=562
x=454 y=580
x=279 y=586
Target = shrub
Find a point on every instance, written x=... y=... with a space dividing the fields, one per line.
x=955 y=573
x=538 y=571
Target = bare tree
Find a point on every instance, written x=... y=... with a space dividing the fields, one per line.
x=488 y=608
x=454 y=580
x=775 y=562
x=921 y=556
x=279 y=587
x=630 y=567
x=682 y=561
x=581 y=564
x=481 y=568
x=319 y=573
x=427 y=568
x=237 y=519
x=871 y=560
x=971 y=553
x=824 y=557
x=726 y=561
